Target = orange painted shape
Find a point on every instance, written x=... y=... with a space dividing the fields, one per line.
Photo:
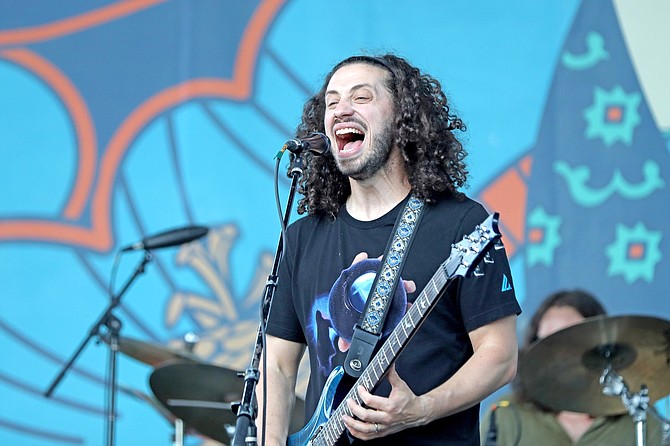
x=250 y=43
x=49 y=231
x=509 y=198
x=71 y=25
x=636 y=251
x=526 y=165
x=511 y=246
x=535 y=235
x=614 y=114
x=81 y=120
x=99 y=235
x=508 y=195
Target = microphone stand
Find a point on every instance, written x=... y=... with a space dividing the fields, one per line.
x=245 y=429
x=113 y=324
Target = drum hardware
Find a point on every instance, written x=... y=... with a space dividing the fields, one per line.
x=581 y=367
x=178 y=432
x=198 y=394
x=190 y=340
x=179 y=423
x=154 y=354
x=199 y=403
x=107 y=328
x=205 y=398
x=637 y=404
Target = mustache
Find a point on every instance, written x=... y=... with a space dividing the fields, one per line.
x=356 y=121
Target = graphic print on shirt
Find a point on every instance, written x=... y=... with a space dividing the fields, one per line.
x=336 y=314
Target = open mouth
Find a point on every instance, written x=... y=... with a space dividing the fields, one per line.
x=349 y=139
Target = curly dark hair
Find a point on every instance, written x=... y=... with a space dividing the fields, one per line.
x=434 y=157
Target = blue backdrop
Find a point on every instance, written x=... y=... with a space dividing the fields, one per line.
x=121 y=119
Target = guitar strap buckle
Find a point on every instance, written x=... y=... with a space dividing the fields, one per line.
x=362 y=346
x=368 y=331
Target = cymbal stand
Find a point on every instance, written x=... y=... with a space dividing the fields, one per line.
x=245 y=428
x=113 y=325
x=636 y=404
x=178 y=432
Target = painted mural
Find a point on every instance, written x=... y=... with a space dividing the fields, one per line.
x=123 y=119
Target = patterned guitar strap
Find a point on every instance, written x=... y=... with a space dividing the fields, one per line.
x=368 y=331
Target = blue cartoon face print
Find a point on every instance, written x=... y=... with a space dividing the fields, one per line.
x=337 y=313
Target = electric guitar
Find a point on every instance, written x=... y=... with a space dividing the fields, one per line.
x=326 y=425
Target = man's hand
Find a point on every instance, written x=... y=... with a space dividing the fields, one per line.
x=384 y=416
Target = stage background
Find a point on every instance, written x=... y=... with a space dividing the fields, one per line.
x=122 y=119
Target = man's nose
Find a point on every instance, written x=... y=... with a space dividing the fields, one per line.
x=343 y=109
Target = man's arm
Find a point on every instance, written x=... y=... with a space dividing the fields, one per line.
x=283 y=359
x=492 y=365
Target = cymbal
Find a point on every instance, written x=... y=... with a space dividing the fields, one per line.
x=201 y=396
x=153 y=354
x=562 y=371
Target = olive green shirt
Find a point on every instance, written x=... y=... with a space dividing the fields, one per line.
x=523 y=424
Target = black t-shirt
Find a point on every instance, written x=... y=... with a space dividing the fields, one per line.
x=320 y=295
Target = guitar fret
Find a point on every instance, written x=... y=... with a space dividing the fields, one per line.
x=435 y=287
x=395 y=336
x=356 y=397
x=403 y=329
x=335 y=433
x=340 y=428
x=368 y=382
x=415 y=315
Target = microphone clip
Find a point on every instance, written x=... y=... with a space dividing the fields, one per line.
x=316 y=143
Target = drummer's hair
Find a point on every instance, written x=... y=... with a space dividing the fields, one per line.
x=584 y=302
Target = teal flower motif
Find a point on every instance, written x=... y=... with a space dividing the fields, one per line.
x=595 y=53
x=543 y=237
x=635 y=253
x=612 y=116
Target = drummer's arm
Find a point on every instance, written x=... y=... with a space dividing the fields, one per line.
x=283 y=359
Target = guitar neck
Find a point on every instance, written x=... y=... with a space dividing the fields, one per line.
x=388 y=352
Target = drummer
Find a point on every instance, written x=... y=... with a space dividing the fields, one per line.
x=519 y=421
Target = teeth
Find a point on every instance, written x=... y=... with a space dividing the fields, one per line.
x=348 y=130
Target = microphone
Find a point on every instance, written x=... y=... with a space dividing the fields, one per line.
x=316 y=142
x=166 y=239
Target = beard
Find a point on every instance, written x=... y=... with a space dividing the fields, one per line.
x=372 y=162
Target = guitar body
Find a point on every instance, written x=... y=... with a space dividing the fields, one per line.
x=323 y=410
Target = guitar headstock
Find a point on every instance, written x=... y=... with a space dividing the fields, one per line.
x=466 y=253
